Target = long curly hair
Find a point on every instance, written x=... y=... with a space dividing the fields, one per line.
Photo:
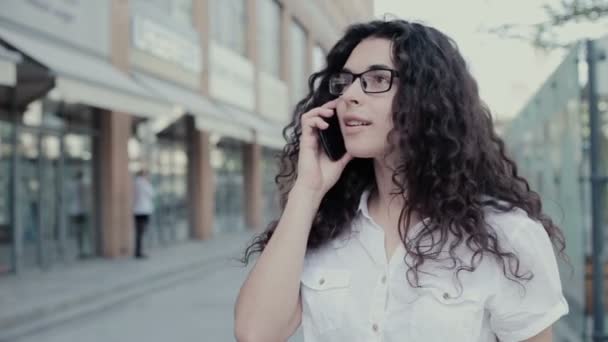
x=451 y=164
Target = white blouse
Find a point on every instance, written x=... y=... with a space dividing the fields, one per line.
x=350 y=292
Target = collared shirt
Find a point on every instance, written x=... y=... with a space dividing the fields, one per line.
x=351 y=292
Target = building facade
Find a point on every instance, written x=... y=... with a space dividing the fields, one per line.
x=195 y=91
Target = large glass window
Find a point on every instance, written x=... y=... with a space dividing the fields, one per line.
x=227 y=161
x=229 y=24
x=6 y=228
x=79 y=194
x=299 y=61
x=170 y=178
x=269 y=36
x=54 y=201
x=28 y=200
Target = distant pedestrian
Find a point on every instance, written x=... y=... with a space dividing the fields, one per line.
x=143 y=207
x=78 y=190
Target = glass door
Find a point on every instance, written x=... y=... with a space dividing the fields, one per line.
x=50 y=222
x=29 y=197
x=79 y=197
x=40 y=201
x=6 y=225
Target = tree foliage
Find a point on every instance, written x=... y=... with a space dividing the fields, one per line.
x=545 y=34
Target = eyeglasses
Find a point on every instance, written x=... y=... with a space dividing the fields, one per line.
x=372 y=81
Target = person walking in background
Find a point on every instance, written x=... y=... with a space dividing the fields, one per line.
x=143 y=207
x=78 y=196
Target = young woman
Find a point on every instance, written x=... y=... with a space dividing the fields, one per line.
x=422 y=231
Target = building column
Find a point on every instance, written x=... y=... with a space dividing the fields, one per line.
x=201 y=177
x=115 y=184
x=116 y=218
x=254 y=198
x=201 y=184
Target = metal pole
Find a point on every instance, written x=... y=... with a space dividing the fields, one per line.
x=596 y=198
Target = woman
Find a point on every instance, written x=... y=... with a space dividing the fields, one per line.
x=422 y=231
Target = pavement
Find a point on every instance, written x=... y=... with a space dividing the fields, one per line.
x=185 y=291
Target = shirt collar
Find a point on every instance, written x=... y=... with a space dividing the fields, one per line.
x=363 y=203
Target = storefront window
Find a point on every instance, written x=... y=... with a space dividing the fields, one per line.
x=6 y=228
x=79 y=195
x=55 y=185
x=229 y=190
x=29 y=196
x=170 y=178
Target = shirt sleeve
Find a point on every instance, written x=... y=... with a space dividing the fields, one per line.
x=521 y=310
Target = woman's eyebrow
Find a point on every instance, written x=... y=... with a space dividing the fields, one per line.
x=371 y=67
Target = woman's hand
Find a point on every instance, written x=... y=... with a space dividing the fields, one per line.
x=316 y=172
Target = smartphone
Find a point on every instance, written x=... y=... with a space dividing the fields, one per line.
x=331 y=138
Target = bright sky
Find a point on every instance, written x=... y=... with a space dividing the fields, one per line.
x=508 y=71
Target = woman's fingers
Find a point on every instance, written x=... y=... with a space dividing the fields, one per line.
x=331 y=104
x=310 y=123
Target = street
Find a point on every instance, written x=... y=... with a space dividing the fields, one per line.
x=200 y=309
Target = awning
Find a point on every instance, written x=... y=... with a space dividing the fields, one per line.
x=208 y=116
x=266 y=133
x=8 y=68
x=86 y=79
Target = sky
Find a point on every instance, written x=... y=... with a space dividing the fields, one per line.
x=508 y=71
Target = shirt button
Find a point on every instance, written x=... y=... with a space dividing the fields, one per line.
x=383 y=279
x=375 y=327
x=321 y=281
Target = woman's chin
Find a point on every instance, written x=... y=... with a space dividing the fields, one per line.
x=363 y=152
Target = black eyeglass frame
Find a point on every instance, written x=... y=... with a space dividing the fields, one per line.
x=394 y=74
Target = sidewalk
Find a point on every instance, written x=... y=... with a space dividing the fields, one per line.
x=35 y=300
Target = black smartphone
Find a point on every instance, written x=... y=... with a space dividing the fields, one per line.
x=331 y=138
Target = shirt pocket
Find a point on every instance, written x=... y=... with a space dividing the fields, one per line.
x=443 y=313
x=325 y=293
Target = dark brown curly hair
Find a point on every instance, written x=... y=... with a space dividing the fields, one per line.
x=451 y=163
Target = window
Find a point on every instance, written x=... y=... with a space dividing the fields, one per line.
x=229 y=24
x=299 y=61
x=179 y=10
x=269 y=36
